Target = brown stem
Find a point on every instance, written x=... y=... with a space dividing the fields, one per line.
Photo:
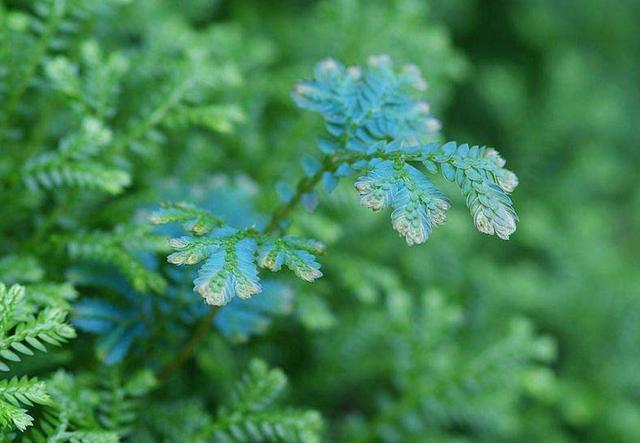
x=305 y=185
x=204 y=325
x=190 y=346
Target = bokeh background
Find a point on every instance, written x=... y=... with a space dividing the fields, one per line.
x=554 y=85
x=465 y=338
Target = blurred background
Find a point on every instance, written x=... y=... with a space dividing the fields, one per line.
x=466 y=338
x=555 y=86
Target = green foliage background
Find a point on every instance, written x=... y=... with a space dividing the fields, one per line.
x=465 y=338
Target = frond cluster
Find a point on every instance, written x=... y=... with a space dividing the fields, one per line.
x=74 y=413
x=231 y=256
x=377 y=126
x=127 y=319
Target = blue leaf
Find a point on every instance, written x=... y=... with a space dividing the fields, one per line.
x=327 y=147
x=310 y=201
x=344 y=170
x=229 y=271
x=329 y=182
x=284 y=191
x=448 y=171
x=310 y=165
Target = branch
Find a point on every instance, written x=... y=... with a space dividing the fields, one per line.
x=306 y=184
x=190 y=346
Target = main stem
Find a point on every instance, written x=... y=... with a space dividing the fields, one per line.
x=304 y=186
x=190 y=346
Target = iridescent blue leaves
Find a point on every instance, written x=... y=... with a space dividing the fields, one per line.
x=296 y=253
x=417 y=205
x=376 y=121
x=363 y=106
x=228 y=272
x=228 y=258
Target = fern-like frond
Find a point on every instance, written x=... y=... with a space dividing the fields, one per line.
x=362 y=106
x=480 y=174
x=289 y=425
x=418 y=205
x=76 y=163
x=15 y=393
x=25 y=326
x=96 y=90
x=218 y=118
x=49 y=172
x=229 y=271
x=249 y=415
x=21 y=331
x=296 y=253
x=377 y=124
x=229 y=255
x=120 y=401
x=71 y=416
x=118 y=248
x=258 y=387
x=195 y=220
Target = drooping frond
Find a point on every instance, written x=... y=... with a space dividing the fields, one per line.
x=229 y=255
x=480 y=174
x=417 y=205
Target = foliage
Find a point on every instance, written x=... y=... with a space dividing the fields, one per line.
x=249 y=414
x=25 y=327
x=133 y=131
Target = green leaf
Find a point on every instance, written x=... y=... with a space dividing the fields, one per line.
x=195 y=220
